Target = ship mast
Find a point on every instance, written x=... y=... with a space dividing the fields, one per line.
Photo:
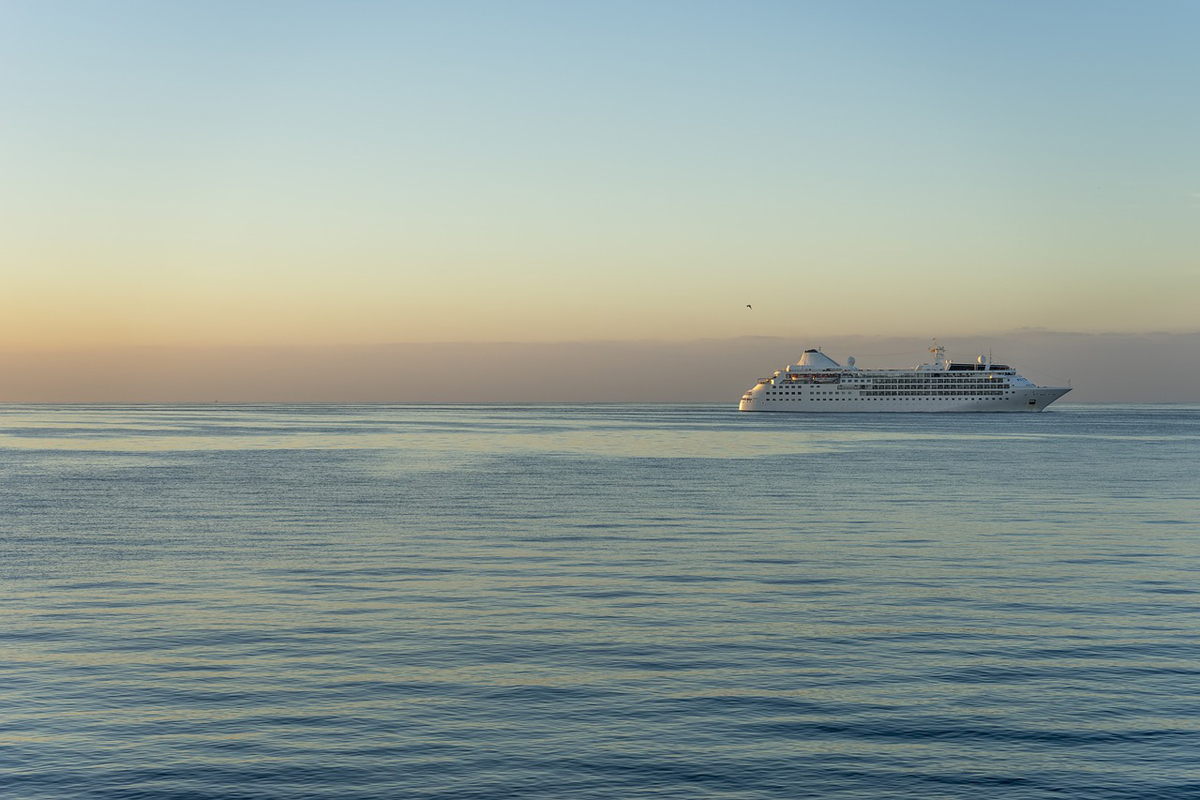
x=939 y=354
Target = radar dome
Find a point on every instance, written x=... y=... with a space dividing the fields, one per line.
x=850 y=361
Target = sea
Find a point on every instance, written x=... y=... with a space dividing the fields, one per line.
x=598 y=601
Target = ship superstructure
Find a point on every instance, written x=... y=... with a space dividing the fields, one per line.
x=817 y=383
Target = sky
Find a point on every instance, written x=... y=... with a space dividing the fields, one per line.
x=186 y=177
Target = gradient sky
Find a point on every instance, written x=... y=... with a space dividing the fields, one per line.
x=279 y=173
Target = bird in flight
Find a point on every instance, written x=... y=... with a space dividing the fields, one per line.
x=749 y=306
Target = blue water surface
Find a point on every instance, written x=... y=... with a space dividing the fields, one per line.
x=598 y=602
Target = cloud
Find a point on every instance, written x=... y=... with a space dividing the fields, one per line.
x=1107 y=367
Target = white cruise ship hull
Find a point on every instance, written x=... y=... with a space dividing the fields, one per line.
x=1027 y=400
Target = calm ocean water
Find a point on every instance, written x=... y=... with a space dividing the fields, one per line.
x=598 y=602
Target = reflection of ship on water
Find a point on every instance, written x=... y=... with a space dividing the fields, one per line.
x=818 y=383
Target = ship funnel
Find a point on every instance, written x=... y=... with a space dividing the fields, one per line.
x=814 y=359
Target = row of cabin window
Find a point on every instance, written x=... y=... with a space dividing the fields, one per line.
x=869 y=393
x=958 y=397
x=912 y=392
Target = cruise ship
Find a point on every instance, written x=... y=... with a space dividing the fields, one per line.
x=818 y=383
